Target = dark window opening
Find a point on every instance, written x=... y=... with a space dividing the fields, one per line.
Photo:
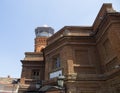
x=36 y=74
x=56 y=62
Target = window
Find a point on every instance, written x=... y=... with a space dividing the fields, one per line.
x=43 y=33
x=35 y=74
x=56 y=62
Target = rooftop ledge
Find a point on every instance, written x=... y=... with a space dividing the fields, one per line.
x=71 y=31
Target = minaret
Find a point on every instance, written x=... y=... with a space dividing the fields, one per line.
x=42 y=34
x=33 y=65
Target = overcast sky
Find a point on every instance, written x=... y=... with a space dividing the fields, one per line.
x=19 y=18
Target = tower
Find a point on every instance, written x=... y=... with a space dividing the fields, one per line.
x=42 y=33
x=33 y=66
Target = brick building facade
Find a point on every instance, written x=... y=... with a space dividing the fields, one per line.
x=33 y=65
x=88 y=57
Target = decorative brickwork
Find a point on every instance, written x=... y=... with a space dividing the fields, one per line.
x=89 y=57
x=33 y=65
x=40 y=43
